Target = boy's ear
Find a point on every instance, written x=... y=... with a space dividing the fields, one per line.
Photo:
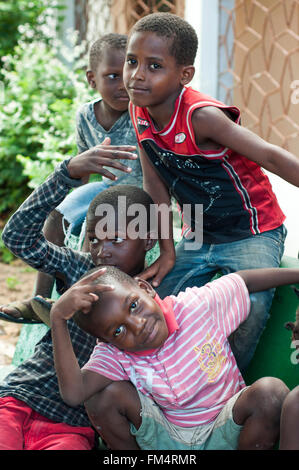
x=187 y=74
x=91 y=78
x=146 y=286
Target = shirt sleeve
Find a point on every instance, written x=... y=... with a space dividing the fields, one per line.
x=229 y=301
x=23 y=233
x=80 y=139
x=104 y=361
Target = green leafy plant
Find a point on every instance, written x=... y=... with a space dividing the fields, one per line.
x=44 y=85
x=6 y=256
x=27 y=20
x=12 y=282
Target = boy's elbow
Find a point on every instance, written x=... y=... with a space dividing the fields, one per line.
x=6 y=238
x=4 y=235
x=71 y=400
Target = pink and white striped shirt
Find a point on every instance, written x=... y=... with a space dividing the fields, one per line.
x=194 y=373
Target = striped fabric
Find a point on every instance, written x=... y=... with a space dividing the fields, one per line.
x=194 y=373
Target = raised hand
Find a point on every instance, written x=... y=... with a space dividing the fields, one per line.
x=80 y=296
x=95 y=159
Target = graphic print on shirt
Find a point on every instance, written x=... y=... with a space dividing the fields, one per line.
x=191 y=180
x=211 y=358
x=180 y=138
x=142 y=125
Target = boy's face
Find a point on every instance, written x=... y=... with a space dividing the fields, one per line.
x=129 y=318
x=116 y=249
x=108 y=79
x=151 y=74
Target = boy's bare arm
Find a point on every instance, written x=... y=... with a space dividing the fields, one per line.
x=155 y=187
x=211 y=124
x=53 y=232
x=258 y=280
x=75 y=385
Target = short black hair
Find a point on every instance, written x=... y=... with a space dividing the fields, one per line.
x=133 y=195
x=184 y=38
x=111 y=40
x=112 y=273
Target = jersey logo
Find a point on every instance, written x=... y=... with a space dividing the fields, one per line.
x=179 y=138
x=142 y=125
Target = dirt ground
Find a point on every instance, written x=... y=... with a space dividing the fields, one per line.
x=16 y=283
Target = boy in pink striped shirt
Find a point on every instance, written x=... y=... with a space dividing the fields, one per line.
x=162 y=375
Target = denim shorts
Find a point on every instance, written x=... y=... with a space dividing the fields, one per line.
x=74 y=207
x=197 y=267
x=157 y=433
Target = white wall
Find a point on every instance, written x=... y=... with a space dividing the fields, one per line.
x=288 y=198
x=203 y=15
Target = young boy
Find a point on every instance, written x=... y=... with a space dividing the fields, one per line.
x=190 y=393
x=193 y=148
x=105 y=119
x=32 y=414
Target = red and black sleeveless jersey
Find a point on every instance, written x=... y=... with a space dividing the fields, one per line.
x=235 y=193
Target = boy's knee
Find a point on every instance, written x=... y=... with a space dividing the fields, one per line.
x=291 y=403
x=263 y=400
x=53 y=230
x=114 y=396
x=268 y=395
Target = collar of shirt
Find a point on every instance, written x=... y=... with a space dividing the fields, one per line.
x=166 y=306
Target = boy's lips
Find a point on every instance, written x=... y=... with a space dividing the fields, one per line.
x=106 y=263
x=137 y=89
x=150 y=331
x=123 y=98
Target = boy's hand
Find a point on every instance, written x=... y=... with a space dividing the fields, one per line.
x=156 y=272
x=95 y=159
x=79 y=297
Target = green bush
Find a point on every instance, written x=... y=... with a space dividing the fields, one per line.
x=37 y=120
x=6 y=255
x=36 y=13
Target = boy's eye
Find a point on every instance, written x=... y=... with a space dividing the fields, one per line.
x=93 y=240
x=155 y=66
x=134 y=305
x=131 y=61
x=118 y=240
x=112 y=76
x=119 y=330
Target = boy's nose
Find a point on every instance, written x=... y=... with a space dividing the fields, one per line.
x=136 y=324
x=138 y=73
x=103 y=251
x=121 y=86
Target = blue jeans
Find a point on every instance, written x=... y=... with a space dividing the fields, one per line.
x=74 y=207
x=196 y=268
